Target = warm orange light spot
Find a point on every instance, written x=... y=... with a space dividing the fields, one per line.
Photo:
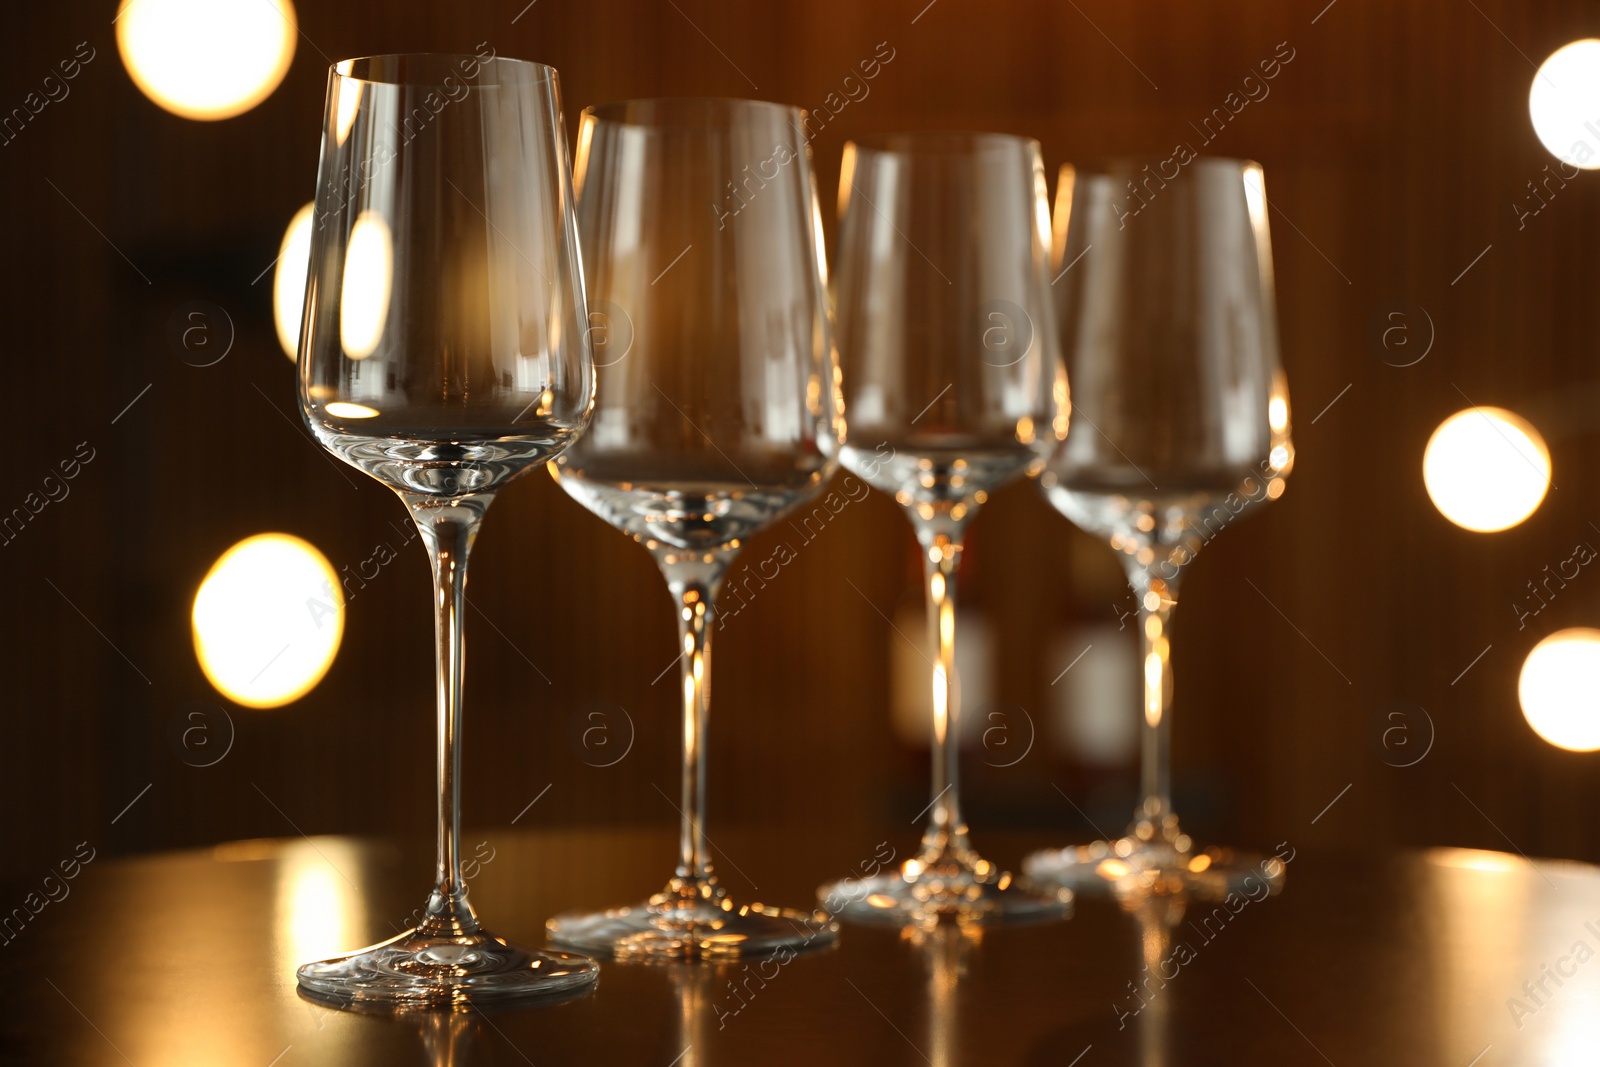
x=267 y=620
x=206 y=59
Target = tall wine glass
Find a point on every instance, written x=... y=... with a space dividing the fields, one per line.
x=713 y=417
x=443 y=353
x=1181 y=424
x=952 y=387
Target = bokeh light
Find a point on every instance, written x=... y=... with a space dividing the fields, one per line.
x=1486 y=469
x=268 y=620
x=1278 y=414
x=348 y=92
x=1560 y=689
x=368 y=276
x=1255 y=194
x=289 y=279
x=1564 y=103
x=342 y=409
x=206 y=59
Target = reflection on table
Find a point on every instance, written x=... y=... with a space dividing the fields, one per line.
x=1413 y=959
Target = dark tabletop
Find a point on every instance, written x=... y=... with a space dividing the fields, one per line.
x=1415 y=959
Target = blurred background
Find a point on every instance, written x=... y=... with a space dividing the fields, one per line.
x=1347 y=659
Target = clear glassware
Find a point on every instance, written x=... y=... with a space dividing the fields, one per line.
x=443 y=353
x=702 y=249
x=952 y=386
x=1181 y=425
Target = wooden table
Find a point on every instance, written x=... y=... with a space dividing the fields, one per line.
x=1448 y=957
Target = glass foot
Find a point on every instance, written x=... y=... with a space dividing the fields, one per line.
x=1129 y=866
x=684 y=922
x=964 y=889
x=418 y=971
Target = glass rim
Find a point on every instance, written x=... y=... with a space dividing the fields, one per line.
x=438 y=66
x=1106 y=165
x=937 y=143
x=627 y=112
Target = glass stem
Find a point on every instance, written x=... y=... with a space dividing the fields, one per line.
x=694 y=583
x=945 y=837
x=1157 y=598
x=448 y=528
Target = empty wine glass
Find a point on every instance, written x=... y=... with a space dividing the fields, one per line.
x=952 y=386
x=1181 y=424
x=714 y=416
x=443 y=353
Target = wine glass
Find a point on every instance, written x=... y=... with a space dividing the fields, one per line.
x=952 y=386
x=1181 y=425
x=443 y=354
x=713 y=417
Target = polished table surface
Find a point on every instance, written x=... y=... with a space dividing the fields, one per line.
x=1448 y=957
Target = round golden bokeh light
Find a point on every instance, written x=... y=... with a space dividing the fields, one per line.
x=1564 y=104
x=206 y=59
x=267 y=620
x=1486 y=469
x=1559 y=689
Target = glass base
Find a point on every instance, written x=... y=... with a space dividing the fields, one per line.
x=967 y=890
x=1129 y=866
x=683 y=924
x=416 y=971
